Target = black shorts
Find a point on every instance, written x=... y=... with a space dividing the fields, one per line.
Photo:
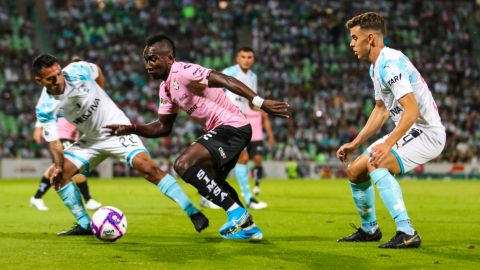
x=255 y=148
x=225 y=143
x=66 y=143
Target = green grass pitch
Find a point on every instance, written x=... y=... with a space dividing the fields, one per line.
x=301 y=225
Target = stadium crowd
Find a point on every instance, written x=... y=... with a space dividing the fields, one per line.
x=302 y=56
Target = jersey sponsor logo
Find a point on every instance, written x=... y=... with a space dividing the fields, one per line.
x=395 y=111
x=163 y=102
x=394 y=79
x=175 y=84
x=183 y=97
x=192 y=109
x=222 y=153
x=84 y=88
x=88 y=113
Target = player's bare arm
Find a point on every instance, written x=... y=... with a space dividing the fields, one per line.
x=220 y=80
x=268 y=128
x=162 y=127
x=409 y=117
x=56 y=172
x=377 y=119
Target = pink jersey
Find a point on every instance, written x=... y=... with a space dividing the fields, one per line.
x=66 y=130
x=187 y=88
x=256 y=120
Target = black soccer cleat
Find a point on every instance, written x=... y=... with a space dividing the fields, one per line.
x=200 y=221
x=361 y=236
x=403 y=240
x=76 y=230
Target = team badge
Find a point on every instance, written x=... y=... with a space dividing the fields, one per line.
x=163 y=102
x=175 y=84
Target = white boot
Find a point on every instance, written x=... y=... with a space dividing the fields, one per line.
x=38 y=203
x=92 y=205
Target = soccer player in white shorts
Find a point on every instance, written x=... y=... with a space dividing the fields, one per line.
x=419 y=136
x=74 y=93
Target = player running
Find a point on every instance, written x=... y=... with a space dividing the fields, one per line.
x=68 y=134
x=419 y=136
x=73 y=93
x=205 y=164
x=242 y=72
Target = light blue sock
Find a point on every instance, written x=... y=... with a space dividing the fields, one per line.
x=364 y=198
x=72 y=199
x=242 y=178
x=391 y=194
x=169 y=186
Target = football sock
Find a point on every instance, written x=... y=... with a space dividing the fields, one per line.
x=257 y=175
x=42 y=189
x=83 y=187
x=232 y=192
x=405 y=226
x=72 y=199
x=391 y=194
x=242 y=178
x=169 y=186
x=207 y=187
x=364 y=198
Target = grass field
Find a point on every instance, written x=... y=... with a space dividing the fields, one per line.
x=301 y=225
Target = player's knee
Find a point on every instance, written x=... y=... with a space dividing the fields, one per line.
x=181 y=165
x=352 y=173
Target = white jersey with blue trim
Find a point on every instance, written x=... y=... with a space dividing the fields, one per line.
x=394 y=76
x=249 y=79
x=83 y=103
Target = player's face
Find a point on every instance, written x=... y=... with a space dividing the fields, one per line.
x=360 y=42
x=52 y=79
x=157 y=63
x=245 y=59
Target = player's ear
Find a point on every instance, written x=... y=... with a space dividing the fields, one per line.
x=170 y=58
x=38 y=80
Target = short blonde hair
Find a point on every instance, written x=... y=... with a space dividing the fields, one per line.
x=368 y=21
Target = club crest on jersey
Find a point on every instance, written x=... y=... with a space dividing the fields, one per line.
x=395 y=79
x=175 y=84
x=84 y=88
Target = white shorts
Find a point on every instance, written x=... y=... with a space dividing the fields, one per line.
x=87 y=153
x=417 y=147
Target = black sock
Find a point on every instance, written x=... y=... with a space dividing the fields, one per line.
x=257 y=174
x=207 y=187
x=83 y=187
x=42 y=189
x=232 y=192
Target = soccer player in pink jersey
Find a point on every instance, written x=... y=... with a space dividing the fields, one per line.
x=68 y=134
x=259 y=120
x=206 y=163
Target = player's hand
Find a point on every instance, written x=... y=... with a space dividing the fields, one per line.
x=343 y=152
x=378 y=153
x=118 y=130
x=56 y=176
x=37 y=135
x=271 y=141
x=275 y=108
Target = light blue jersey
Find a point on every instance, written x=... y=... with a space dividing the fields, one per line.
x=394 y=76
x=249 y=79
x=83 y=103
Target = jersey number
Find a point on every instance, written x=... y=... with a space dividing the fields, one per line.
x=127 y=141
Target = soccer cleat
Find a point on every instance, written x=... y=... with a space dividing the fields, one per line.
x=76 y=230
x=38 y=203
x=236 y=218
x=200 y=221
x=361 y=236
x=256 y=205
x=256 y=191
x=253 y=233
x=92 y=205
x=208 y=204
x=403 y=240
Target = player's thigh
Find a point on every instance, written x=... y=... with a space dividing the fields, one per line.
x=357 y=171
x=85 y=155
x=389 y=162
x=195 y=154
